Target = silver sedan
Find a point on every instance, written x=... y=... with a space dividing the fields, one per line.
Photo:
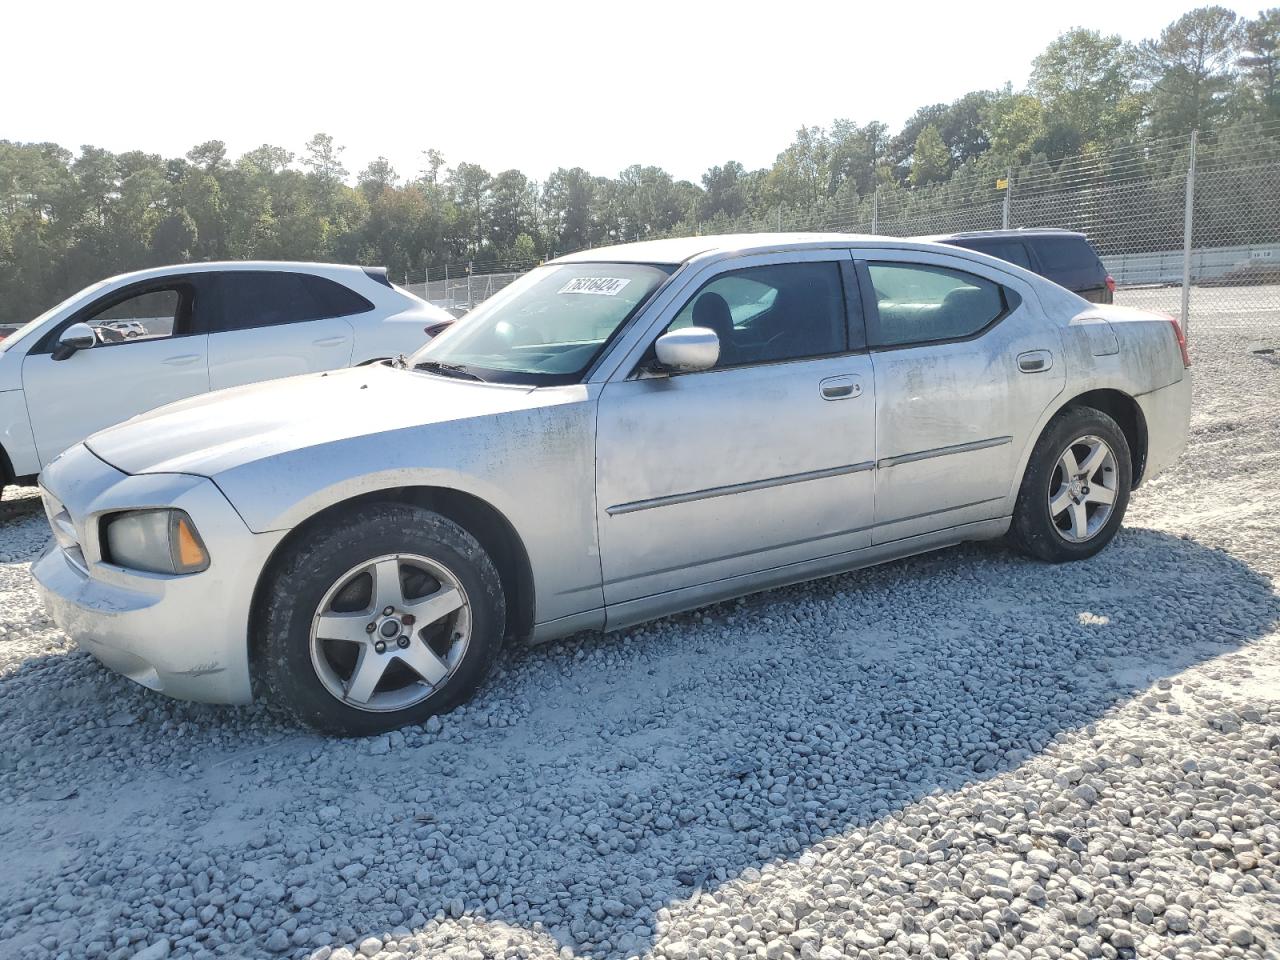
x=621 y=434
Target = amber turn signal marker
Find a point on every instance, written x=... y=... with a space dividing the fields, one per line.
x=191 y=552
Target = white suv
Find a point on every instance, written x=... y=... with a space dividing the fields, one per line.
x=126 y=345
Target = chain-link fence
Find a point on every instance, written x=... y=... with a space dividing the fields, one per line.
x=1168 y=217
x=460 y=294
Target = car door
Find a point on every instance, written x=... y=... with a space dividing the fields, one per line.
x=122 y=375
x=765 y=459
x=965 y=365
x=271 y=323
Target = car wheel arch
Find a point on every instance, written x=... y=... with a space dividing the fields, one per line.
x=481 y=519
x=1120 y=406
x=1125 y=411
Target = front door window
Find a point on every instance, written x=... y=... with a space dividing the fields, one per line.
x=146 y=316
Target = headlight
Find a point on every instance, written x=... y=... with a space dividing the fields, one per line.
x=157 y=541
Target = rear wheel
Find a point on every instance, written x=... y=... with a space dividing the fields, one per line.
x=391 y=615
x=1075 y=489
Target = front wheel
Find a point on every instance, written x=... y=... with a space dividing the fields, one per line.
x=1075 y=489
x=379 y=619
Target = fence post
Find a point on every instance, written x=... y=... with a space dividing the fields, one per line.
x=1188 y=217
x=1008 y=195
x=875 y=210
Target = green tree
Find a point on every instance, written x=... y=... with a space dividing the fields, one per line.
x=931 y=160
x=1260 y=61
x=266 y=160
x=1086 y=83
x=470 y=185
x=209 y=156
x=511 y=202
x=1017 y=127
x=856 y=155
x=1189 y=70
x=174 y=238
x=724 y=193
x=567 y=200
x=378 y=176
x=322 y=158
x=801 y=175
x=903 y=144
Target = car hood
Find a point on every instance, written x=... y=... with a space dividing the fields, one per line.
x=216 y=432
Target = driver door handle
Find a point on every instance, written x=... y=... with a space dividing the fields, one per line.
x=840 y=388
x=183 y=360
x=329 y=341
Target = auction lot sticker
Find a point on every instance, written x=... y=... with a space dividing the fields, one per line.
x=601 y=286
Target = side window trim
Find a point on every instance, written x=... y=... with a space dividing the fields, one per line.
x=1009 y=299
x=182 y=321
x=855 y=308
x=870 y=308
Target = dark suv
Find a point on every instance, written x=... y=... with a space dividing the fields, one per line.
x=1064 y=257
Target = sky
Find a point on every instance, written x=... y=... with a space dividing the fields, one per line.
x=682 y=85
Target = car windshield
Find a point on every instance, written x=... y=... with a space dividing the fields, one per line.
x=546 y=328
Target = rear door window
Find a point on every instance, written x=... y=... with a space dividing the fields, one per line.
x=920 y=303
x=332 y=299
x=268 y=298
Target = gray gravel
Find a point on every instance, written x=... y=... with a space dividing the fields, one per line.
x=960 y=755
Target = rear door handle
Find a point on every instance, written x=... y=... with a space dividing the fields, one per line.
x=840 y=388
x=1035 y=361
x=329 y=341
x=183 y=360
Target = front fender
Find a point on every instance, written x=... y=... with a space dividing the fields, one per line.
x=17 y=445
x=536 y=467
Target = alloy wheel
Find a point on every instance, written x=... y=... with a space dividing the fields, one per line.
x=1082 y=489
x=390 y=632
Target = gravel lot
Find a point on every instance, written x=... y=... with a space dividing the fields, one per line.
x=964 y=754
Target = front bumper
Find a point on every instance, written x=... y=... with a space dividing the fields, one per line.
x=184 y=636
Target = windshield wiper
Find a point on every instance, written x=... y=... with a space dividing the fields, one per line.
x=448 y=370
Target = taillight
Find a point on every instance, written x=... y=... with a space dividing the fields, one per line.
x=1182 y=341
x=1111 y=283
x=437 y=328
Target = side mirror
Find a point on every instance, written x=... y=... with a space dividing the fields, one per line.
x=78 y=336
x=688 y=350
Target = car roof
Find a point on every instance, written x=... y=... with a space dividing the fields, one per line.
x=1020 y=233
x=215 y=266
x=676 y=250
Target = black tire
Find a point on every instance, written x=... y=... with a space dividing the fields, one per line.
x=302 y=575
x=1033 y=530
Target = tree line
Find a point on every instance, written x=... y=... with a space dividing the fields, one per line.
x=68 y=219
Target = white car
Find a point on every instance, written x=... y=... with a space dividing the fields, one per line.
x=197 y=327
